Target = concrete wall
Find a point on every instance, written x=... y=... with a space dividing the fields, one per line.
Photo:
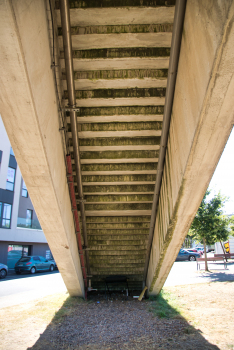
x=24 y=204
x=202 y=119
x=29 y=111
x=15 y=234
x=40 y=249
x=3 y=252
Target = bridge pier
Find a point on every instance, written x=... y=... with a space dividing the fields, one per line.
x=201 y=121
x=29 y=111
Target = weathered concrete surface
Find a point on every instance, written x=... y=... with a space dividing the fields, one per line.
x=29 y=111
x=119 y=16
x=202 y=118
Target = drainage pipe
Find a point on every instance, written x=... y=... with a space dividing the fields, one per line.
x=171 y=81
x=65 y=21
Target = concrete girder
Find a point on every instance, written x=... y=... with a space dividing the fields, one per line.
x=202 y=119
x=29 y=112
x=100 y=41
x=120 y=63
x=118 y=16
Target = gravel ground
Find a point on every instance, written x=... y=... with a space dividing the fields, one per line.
x=118 y=323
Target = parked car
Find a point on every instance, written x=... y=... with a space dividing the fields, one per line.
x=33 y=264
x=3 y=270
x=54 y=262
x=200 y=249
x=194 y=250
x=185 y=255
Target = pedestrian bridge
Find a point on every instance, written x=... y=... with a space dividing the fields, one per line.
x=117 y=112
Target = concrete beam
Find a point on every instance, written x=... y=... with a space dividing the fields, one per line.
x=110 y=102
x=121 y=160
x=118 y=212
x=115 y=193
x=86 y=84
x=122 y=133
x=102 y=41
x=119 y=16
x=118 y=183
x=120 y=172
x=119 y=148
x=86 y=64
x=29 y=112
x=202 y=119
x=119 y=119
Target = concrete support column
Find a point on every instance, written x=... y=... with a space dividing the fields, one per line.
x=29 y=112
x=202 y=119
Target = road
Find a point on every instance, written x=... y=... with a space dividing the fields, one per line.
x=17 y=289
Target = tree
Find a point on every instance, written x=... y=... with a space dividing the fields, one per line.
x=210 y=225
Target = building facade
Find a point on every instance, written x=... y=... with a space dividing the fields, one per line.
x=20 y=230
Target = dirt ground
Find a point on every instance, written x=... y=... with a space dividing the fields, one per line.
x=187 y=317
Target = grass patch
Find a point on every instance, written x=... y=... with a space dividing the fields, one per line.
x=165 y=305
x=67 y=308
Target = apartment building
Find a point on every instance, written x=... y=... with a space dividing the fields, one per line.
x=20 y=230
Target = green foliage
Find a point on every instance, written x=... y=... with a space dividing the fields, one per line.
x=165 y=305
x=210 y=223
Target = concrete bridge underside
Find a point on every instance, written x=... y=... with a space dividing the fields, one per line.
x=120 y=59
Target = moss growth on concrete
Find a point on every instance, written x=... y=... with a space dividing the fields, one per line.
x=118 y=110
x=120 y=74
x=120 y=198
x=119 y=93
x=118 y=29
x=118 y=237
x=118 y=234
x=118 y=189
x=118 y=226
x=120 y=141
x=117 y=219
x=120 y=206
x=121 y=52
x=119 y=154
x=118 y=178
x=121 y=126
x=119 y=167
x=168 y=236
x=117 y=242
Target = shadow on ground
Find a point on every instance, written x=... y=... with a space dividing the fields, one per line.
x=120 y=324
x=218 y=275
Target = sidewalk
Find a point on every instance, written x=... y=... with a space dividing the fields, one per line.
x=185 y=272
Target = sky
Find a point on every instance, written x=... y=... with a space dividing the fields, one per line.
x=223 y=178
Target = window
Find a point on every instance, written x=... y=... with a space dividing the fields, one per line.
x=24 y=190
x=5 y=215
x=10 y=179
x=36 y=258
x=25 y=259
x=11 y=152
x=29 y=218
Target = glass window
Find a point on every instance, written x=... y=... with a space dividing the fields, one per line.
x=25 y=259
x=29 y=218
x=11 y=152
x=10 y=179
x=24 y=190
x=36 y=258
x=6 y=215
x=43 y=259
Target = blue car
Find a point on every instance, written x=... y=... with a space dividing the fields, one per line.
x=33 y=264
x=185 y=255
